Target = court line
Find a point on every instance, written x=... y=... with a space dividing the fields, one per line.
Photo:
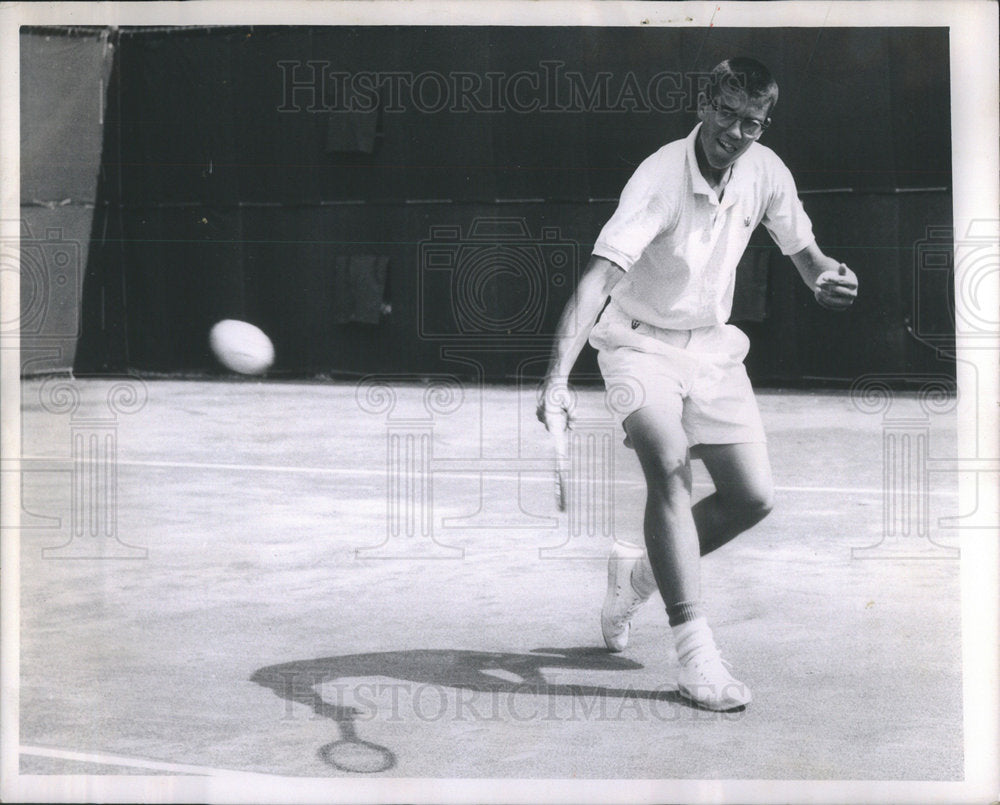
x=534 y=471
x=100 y=758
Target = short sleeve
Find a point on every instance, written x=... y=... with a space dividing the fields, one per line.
x=785 y=218
x=643 y=212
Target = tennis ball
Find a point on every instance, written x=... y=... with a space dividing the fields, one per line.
x=241 y=347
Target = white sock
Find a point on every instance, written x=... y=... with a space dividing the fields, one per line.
x=691 y=638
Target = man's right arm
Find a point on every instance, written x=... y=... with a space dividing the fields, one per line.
x=578 y=317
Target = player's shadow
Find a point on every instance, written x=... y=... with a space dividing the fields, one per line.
x=303 y=682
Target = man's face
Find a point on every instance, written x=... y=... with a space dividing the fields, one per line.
x=722 y=144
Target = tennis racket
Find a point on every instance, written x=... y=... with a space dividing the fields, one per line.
x=559 y=430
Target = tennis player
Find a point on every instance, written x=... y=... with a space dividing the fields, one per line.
x=667 y=258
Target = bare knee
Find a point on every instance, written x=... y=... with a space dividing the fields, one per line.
x=742 y=477
x=668 y=489
x=667 y=475
x=668 y=483
x=661 y=447
x=754 y=504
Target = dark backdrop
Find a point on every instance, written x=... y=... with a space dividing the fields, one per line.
x=226 y=192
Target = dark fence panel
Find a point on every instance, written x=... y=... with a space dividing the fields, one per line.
x=258 y=170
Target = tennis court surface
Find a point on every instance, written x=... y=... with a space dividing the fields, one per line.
x=358 y=580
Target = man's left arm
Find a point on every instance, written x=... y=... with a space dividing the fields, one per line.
x=834 y=285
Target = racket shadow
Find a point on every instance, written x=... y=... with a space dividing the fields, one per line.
x=302 y=682
x=349 y=752
x=352 y=754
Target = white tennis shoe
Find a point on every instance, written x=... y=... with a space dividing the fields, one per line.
x=705 y=680
x=622 y=601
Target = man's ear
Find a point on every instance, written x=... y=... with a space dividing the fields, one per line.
x=703 y=104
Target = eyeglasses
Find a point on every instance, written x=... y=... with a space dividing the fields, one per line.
x=749 y=126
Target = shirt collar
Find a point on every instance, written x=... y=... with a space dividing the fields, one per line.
x=698 y=182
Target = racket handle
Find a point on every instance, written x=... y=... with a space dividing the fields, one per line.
x=560 y=442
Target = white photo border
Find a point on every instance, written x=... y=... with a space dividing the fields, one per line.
x=974 y=70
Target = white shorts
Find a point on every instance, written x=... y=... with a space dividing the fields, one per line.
x=696 y=375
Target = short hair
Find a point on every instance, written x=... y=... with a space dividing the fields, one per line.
x=745 y=75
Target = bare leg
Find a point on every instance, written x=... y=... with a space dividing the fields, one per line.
x=668 y=526
x=744 y=492
x=672 y=543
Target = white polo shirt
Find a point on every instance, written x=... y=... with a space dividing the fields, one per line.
x=680 y=245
